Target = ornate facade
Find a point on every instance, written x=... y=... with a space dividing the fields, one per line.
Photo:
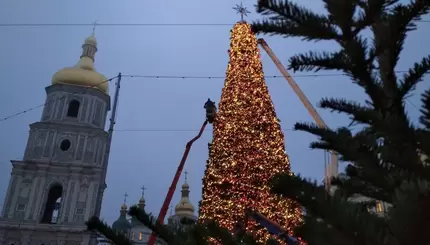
x=53 y=189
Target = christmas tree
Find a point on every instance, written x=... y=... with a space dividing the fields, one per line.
x=387 y=153
x=247 y=148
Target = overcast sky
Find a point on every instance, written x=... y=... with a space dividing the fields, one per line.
x=157 y=117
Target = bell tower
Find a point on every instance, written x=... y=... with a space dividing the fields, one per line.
x=54 y=189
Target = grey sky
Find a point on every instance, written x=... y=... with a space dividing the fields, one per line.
x=172 y=108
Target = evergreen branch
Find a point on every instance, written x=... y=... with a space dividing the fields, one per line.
x=411 y=200
x=425 y=109
x=320 y=61
x=159 y=229
x=317 y=232
x=293 y=21
x=355 y=110
x=390 y=33
x=414 y=76
x=95 y=224
x=357 y=225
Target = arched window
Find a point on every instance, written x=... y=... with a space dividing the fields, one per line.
x=73 y=108
x=53 y=204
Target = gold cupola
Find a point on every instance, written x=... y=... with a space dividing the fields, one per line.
x=83 y=73
x=184 y=207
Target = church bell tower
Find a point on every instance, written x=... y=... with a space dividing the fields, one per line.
x=54 y=189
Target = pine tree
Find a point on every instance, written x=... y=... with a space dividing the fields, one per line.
x=247 y=148
x=385 y=158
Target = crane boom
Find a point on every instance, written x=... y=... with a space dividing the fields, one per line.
x=333 y=167
x=210 y=115
x=271 y=226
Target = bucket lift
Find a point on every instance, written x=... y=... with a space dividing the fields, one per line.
x=210 y=117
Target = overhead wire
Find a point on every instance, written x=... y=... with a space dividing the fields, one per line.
x=126 y=24
x=171 y=130
x=51 y=101
x=174 y=77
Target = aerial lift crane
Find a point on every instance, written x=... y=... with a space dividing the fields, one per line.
x=210 y=116
x=272 y=227
x=332 y=169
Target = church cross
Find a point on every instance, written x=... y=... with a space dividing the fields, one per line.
x=186 y=175
x=241 y=10
x=143 y=190
x=125 y=197
x=94 y=27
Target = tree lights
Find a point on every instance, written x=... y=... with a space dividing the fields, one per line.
x=248 y=146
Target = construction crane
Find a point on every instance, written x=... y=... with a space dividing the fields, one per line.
x=332 y=169
x=210 y=116
x=272 y=227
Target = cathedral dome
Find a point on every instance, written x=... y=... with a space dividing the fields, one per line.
x=122 y=224
x=184 y=207
x=83 y=73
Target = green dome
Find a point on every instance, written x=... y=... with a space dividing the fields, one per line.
x=122 y=224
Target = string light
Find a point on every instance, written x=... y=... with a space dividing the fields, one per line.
x=247 y=148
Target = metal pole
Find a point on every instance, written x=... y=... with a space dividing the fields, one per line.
x=102 y=185
x=332 y=170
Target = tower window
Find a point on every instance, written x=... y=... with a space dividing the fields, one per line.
x=53 y=205
x=140 y=236
x=65 y=145
x=73 y=108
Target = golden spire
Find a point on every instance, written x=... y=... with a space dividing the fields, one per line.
x=184 y=207
x=124 y=205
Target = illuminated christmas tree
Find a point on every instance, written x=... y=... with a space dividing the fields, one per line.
x=247 y=148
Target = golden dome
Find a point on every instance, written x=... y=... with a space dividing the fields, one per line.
x=83 y=73
x=184 y=207
x=123 y=207
x=91 y=40
x=142 y=200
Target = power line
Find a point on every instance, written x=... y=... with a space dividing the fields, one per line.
x=107 y=24
x=126 y=24
x=223 y=77
x=41 y=105
x=172 y=130
x=171 y=77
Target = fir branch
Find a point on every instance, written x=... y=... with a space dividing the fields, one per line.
x=317 y=232
x=425 y=110
x=159 y=229
x=320 y=61
x=412 y=200
x=291 y=20
x=357 y=225
x=356 y=111
x=95 y=224
x=414 y=76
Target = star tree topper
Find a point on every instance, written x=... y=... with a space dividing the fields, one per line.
x=241 y=10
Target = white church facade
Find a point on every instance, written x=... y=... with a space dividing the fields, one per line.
x=53 y=190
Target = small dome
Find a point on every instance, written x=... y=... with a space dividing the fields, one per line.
x=83 y=73
x=122 y=224
x=185 y=186
x=142 y=200
x=91 y=40
x=184 y=206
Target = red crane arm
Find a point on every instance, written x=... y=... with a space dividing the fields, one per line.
x=175 y=180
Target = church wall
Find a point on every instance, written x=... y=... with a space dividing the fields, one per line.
x=86 y=147
x=32 y=186
x=9 y=195
x=93 y=109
